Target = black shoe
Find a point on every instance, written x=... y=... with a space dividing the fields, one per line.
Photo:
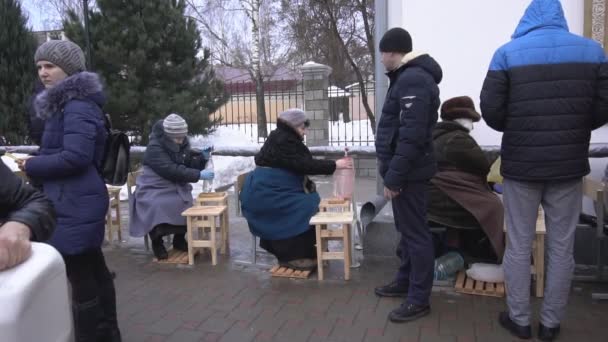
x=408 y=312
x=391 y=290
x=519 y=331
x=158 y=248
x=547 y=334
x=180 y=243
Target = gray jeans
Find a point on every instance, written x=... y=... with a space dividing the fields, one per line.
x=561 y=202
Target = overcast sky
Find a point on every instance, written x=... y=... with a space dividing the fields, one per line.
x=36 y=15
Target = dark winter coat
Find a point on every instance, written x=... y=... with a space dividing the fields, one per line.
x=70 y=155
x=456 y=149
x=275 y=204
x=22 y=203
x=546 y=90
x=285 y=149
x=176 y=163
x=163 y=190
x=404 y=144
x=459 y=196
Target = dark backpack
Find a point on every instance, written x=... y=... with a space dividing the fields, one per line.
x=114 y=167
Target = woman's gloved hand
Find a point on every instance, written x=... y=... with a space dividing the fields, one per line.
x=207 y=175
x=207 y=152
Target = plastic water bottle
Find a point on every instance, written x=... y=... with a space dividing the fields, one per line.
x=447 y=265
x=208 y=184
x=344 y=180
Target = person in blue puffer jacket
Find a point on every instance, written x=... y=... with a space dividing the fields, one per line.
x=547 y=89
x=71 y=152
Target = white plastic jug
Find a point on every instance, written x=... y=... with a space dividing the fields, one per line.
x=34 y=299
x=344 y=180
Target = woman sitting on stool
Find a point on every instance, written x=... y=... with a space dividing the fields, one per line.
x=278 y=199
x=163 y=190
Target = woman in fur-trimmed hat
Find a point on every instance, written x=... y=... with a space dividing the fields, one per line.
x=459 y=196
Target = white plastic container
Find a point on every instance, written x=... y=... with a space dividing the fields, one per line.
x=34 y=301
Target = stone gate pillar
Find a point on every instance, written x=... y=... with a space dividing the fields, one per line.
x=316 y=102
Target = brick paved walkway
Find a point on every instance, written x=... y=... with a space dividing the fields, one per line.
x=233 y=303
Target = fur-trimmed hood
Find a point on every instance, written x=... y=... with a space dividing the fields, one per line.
x=83 y=85
x=422 y=60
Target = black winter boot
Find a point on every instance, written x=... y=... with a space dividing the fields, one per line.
x=87 y=316
x=108 y=328
x=158 y=247
x=180 y=243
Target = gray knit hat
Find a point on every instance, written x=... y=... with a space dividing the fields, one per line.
x=175 y=126
x=294 y=117
x=64 y=54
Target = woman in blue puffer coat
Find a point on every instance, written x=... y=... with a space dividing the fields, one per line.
x=71 y=153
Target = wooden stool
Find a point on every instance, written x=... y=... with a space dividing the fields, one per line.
x=537 y=269
x=334 y=204
x=111 y=222
x=206 y=199
x=321 y=221
x=200 y=218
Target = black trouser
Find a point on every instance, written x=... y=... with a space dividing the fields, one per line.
x=415 y=247
x=301 y=246
x=93 y=297
x=164 y=229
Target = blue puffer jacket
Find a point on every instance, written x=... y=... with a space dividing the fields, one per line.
x=71 y=151
x=404 y=141
x=546 y=90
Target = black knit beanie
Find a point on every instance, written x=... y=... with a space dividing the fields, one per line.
x=396 y=40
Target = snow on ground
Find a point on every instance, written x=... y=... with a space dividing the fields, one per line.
x=226 y=169
x=354 y=133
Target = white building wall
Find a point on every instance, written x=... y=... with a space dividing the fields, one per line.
x=463 y=35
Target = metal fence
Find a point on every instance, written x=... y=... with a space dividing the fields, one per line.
x=348 y=123
x=240 y=112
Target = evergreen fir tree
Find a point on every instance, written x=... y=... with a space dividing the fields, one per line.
x=150 y=57
x=17 y=72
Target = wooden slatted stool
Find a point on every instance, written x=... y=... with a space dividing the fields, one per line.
x=322 y=222
x=334 y=204
x=198 y=220
x=467 y=285
x=285 y=272
x=206 y=199
x=537 y=268
x=113 y=221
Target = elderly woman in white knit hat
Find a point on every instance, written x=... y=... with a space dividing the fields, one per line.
x=164 y=190
x=278 y=199
x=67 y=164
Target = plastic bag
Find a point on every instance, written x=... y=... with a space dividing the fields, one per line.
x=494 y=176
x=490 y=273
x=344 y=181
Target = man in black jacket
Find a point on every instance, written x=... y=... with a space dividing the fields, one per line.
x=25 y=214
x=546 y=90
x=404 y=148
